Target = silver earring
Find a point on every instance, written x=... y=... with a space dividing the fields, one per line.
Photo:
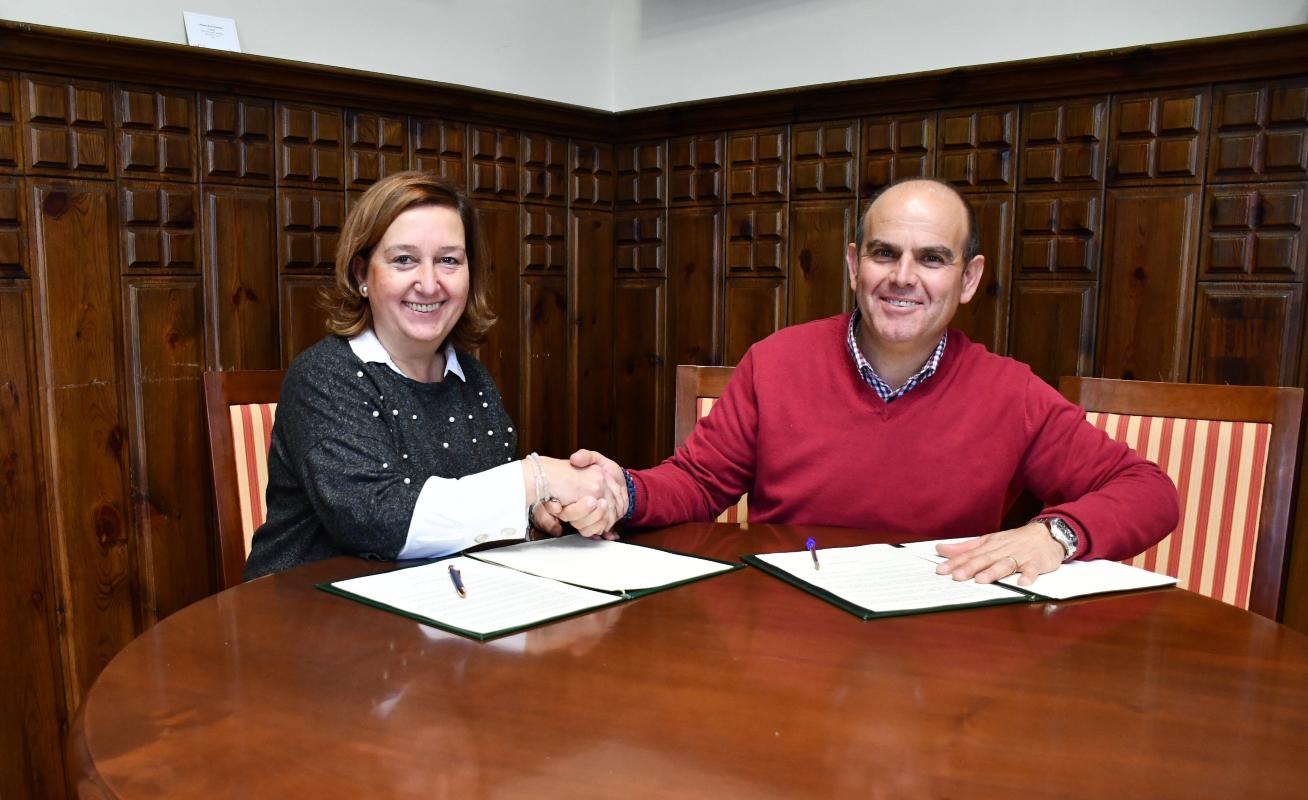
x=363 y=290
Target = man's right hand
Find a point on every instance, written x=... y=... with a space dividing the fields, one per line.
x=595 y=517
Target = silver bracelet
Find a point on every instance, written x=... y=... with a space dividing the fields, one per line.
x=542 y=492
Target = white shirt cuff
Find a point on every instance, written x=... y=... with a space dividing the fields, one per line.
x=453 y=514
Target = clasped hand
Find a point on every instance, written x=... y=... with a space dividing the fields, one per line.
x=590 y=492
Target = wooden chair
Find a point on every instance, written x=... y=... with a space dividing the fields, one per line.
x=697 y=389
x=239 y=407
x=1231 y=452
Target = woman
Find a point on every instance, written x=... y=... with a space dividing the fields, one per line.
x=390 y=439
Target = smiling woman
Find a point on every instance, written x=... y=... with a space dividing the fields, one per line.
x=391 y=440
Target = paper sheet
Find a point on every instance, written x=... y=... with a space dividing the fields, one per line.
x=880 y=578
x=1073 y=579
x=497 y=599
x=600 y=564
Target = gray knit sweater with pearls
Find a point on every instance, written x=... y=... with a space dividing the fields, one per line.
x=352 y=445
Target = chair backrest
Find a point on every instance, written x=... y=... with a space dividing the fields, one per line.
x=697 y=389
x=1231 y=452
x=239 y=407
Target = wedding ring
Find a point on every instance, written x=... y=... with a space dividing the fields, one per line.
x=1016 y=566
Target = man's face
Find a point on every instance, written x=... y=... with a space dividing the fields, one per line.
x=911 y=277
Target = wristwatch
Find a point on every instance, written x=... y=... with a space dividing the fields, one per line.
x=1062 y=533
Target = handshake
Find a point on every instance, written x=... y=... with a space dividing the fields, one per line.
x=588 y=491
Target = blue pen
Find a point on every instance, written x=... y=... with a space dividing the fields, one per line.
x=812 y=550
x=458 y=581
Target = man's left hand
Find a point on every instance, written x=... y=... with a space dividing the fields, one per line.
x=1029 y=550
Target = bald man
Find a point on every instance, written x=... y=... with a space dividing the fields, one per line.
x=886 y=419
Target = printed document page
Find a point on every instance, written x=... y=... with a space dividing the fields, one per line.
x=497 y=599
x=601 y=564
x=880 y=577
x=1073 y=579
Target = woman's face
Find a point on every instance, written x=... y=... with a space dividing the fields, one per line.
x=417 y=279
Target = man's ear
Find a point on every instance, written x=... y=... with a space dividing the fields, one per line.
x=851 y=261
x=972 y=277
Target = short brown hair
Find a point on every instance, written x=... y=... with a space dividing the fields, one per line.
x=347 y=309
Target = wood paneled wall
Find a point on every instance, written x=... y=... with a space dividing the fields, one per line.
x=164 y=211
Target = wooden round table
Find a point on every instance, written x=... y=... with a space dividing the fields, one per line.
x=735 y=686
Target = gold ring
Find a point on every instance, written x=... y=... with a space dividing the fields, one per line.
x=1016 y=566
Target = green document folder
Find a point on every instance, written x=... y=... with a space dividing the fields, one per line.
x=514 y=588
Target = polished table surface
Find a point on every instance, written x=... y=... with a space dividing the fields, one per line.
x=735 y=686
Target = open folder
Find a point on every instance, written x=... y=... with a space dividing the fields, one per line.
x=512 y=588
x=882 y=580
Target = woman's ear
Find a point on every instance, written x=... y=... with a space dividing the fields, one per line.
x=359 y=268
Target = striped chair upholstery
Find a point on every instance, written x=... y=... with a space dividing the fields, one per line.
x=251 y=439
x=697 y=389
x=1219 y=468
x=240 y=406
x=740 y=511
x=1231 y=451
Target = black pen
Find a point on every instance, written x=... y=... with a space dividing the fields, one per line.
x=458 y=581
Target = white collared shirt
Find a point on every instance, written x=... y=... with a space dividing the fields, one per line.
x=453 y=514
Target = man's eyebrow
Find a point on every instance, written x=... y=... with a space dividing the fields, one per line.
x=936 y=250
x=873 y=244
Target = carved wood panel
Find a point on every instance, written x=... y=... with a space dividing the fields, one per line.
x=985 y=318
x=755 y=308
x=544 y=239
x=1158 y=137
x=591 y=318
x=1148 y=284
x=1253 y=231
x=695 y=164
x=822 y=158
x=1058 y=234
x=1247 y=334
x=75 y=278
x=240 y=268
x=1063 y=142
x=309 y=146
x=1053 y=326
x=493 y=155
x=309 y=225
x=818 y=284
x=544 y=167
x=13 y=235
x=545 y=426
x=1260 y=131
x=378 y=146
x=237 y=136
x=157 y=222
x=66 y=126
x=642 y=173
x=756 y=238
x=757 y=165
x=303 y=319
x=440 y=146
x=640 y=366
x=695 y=285
x=165 y=357
x=976 y=148
x=11 y=152
x=640 y=237
x=897 y=146
x=502 y=351
x=590 y=174
x=156 y=132
x=31 y=728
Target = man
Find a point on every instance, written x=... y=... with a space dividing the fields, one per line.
x=884 y=419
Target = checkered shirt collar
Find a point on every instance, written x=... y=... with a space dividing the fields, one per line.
x=870 y=376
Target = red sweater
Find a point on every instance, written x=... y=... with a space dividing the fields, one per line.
x=800 y=431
